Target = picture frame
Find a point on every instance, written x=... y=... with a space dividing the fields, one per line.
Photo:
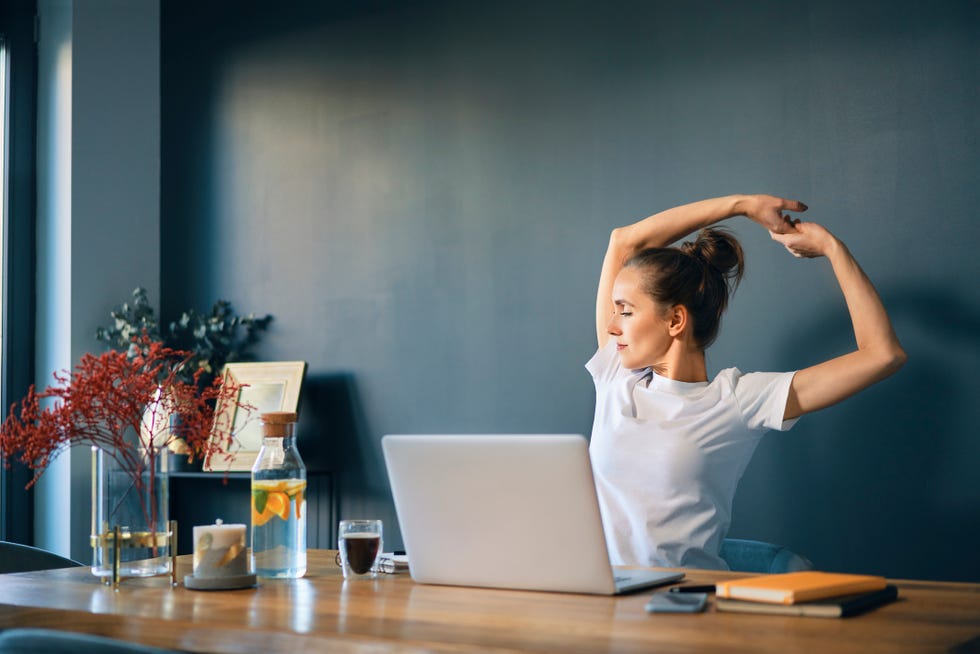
x=267 y=386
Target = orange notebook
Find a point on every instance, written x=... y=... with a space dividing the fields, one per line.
x=792 y=587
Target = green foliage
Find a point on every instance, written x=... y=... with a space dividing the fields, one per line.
x=214 y=339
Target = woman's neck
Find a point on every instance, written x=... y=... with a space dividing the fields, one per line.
x=682 y=363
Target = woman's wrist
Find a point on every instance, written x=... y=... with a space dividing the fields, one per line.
x=835 y=247
x=740 y=204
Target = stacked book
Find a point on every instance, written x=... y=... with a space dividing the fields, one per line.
x=810 y=593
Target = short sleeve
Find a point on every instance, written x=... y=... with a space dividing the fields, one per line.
x=761 y=398
x=605 y=363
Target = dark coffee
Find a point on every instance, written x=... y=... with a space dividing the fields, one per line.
x=361 y=550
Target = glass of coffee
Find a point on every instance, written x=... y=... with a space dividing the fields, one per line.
x=360 y=545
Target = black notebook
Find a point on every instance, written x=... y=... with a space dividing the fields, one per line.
x=835 y=607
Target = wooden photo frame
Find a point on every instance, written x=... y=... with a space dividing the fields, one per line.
x=267 y=386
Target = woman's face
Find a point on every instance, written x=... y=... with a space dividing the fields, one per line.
x=638 y=325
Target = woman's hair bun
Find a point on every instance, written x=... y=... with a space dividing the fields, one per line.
x=720 y=250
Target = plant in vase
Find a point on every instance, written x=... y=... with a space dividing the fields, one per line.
x=211 y=340
x=123 y=407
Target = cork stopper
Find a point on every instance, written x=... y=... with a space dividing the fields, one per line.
x=278 y=424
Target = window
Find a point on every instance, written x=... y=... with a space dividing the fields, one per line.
x=18 y=93
x=3 y=212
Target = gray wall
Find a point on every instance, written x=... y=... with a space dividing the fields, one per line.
x=421 y=194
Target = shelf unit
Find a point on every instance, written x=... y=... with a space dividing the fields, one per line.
x=199 y=498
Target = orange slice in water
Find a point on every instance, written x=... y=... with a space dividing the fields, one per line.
x=278 y=504
x=299 y=501
x=259 y=519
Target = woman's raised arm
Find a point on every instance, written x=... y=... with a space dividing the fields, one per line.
x=878 y=353
x=662 y=229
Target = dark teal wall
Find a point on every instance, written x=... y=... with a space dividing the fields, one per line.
x=421 y=194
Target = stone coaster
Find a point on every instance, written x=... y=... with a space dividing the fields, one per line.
x=219 y=583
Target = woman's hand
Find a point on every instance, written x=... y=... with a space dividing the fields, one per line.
x=807 y=240
x=767 y=210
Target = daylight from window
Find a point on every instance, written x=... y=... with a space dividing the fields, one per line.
x=3 y=206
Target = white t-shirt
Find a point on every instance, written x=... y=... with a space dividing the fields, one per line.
x=668 y=455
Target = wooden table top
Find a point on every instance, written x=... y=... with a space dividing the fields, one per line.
x=322 y=612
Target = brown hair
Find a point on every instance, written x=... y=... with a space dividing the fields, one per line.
x=700 y=274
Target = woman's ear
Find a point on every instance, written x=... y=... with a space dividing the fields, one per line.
x=677 y=320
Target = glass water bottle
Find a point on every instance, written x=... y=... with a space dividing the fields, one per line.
x=279 y=501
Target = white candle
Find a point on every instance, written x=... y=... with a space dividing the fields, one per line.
x=219 y=551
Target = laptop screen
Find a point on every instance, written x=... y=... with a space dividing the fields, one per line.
x=509 y=511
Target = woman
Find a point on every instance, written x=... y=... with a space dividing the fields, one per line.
x=668 y=445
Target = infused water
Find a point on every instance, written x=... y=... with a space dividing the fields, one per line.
x=279 y=501
x=279 y=527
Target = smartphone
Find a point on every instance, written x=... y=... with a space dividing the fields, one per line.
x=665 y=602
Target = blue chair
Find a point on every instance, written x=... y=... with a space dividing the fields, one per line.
x=48 y=641
x=24 y=558
x=757 y=556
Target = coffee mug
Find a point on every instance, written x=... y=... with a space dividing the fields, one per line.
x=360 y=544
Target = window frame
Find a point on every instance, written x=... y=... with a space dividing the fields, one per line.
x=18 y=21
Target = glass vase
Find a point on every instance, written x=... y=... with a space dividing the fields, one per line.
x=130 y=493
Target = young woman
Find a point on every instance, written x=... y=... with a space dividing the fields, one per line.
x=669 y=446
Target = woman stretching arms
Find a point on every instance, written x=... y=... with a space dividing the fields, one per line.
x=669 y=446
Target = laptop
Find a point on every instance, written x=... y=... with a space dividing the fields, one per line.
x=504 y=511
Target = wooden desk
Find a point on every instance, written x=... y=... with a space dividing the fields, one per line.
x=323 y=613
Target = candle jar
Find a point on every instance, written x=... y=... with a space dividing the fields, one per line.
x=220 y=558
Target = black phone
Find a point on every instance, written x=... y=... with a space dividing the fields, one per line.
x=665 y=602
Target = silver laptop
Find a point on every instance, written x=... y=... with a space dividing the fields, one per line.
x=504 y=511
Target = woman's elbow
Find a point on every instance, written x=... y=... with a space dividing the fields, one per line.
x=618 y=238
x=893 y=359
x=900 y=358
x=620 y=244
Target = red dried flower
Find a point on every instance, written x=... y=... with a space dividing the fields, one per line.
x=132 y=409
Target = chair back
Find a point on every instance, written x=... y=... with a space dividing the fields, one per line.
x=50 y=641
x=758 y=556
x=15 y=557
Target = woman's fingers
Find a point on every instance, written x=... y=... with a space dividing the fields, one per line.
x=785 y=219
x=793 y=205
x=796 y=242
